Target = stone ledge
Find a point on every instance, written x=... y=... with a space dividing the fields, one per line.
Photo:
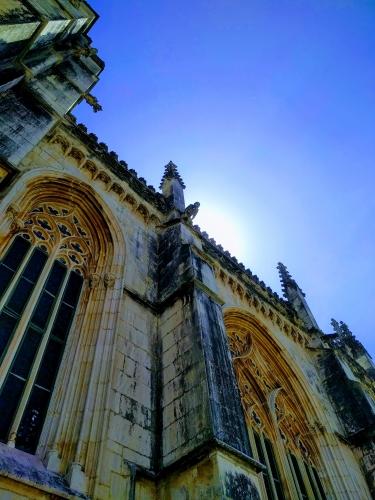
x=196 y=455
x=29 y=470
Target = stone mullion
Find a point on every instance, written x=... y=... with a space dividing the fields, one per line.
x=305 y=478
x=72 y=365
x=289 y=486
x=313 y=481
x=295 y=480
x=268 y=465
x=256 y=454
x=16 y=276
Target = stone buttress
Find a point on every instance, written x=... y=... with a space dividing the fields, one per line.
x=176 y=352
x=201 y=414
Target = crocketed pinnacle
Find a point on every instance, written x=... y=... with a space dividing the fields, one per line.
x=341 y=328
x=171 y=172
x=286 y=279
x=344 y=336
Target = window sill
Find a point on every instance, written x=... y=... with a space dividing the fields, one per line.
x=29 y=470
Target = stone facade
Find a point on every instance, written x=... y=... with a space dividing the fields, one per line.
x=182 y=376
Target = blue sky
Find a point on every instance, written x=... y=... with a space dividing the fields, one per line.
x=268 y=109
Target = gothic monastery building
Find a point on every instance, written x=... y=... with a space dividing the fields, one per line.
x=138 y=358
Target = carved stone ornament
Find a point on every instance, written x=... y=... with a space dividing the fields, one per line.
x=16 y=223
x=58 y=228
x=85 y=51
x=94 y=280
x=191 y=212
x=109 y=281
x=240 y=345
x=93 y=102
x=12 y=211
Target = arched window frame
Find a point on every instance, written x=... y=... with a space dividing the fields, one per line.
x=259 y=395
x=56 y=231
x=68 y=441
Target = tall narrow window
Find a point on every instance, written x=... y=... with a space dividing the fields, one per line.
x=318 y=483
x=300 y=484
x=33 y=417
x=11 y=261
x=16 y=302
x=274 y=469
x=41 y=278
x=266 y=475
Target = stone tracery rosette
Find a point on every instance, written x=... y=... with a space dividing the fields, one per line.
x=58 y=228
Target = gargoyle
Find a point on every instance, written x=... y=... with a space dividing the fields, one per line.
x=191 y=212
x=93 y=102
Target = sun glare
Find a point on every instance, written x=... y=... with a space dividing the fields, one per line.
x=225 y=227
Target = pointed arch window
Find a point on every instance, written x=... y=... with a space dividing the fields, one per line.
x=297 y=475
x=279 y=428
x=271 y=477
x=41 y=279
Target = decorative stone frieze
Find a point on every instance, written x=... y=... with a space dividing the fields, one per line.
x=256 y=302
x=97 y=174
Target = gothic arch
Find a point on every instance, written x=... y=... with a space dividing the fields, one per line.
x=241 y=325
x=274 y=393
x=41 y=188
x=68 y=435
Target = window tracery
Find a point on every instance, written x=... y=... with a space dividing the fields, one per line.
x=58 y=228
x=279 y=427
x=240 y=345
x=41 y=276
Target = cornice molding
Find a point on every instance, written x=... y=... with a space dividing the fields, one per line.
x=98 y=174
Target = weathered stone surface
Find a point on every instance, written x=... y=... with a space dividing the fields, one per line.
x=184 y=375
x=240 y=487
x=348 y=397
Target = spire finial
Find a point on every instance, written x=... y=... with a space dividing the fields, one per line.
x=286 y=280
x=296 y=297
x=173 y=187
x=345 y=337
x=171 y=172
x=341 y=328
